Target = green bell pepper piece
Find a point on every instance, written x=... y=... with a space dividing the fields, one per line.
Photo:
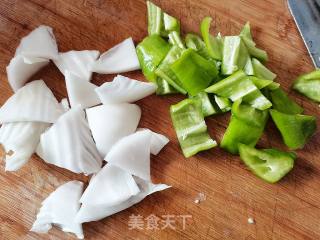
x=268 y=164
x=295 y=129
x=161 y=23
x=257 y=100
x=175 y=39
x=246 y=126
x=235 y=56
x=262 y=83
x=309 y=85
x=151 y=51
x=212 y=44
x=194 y=72
x=224 y=104
x=246 y=36
x=282 y=103
x=262 y=71
x=155 y=21
x=164 y=88
x=164 y=71
x=208 y=108
x=190 y=127
x=234 y=87
x=195 y=42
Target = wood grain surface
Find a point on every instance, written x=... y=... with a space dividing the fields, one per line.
x=287 y=210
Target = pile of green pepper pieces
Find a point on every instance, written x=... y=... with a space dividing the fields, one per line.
x=221 y=74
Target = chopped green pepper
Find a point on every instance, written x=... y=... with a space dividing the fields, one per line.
x=282 y=103
x=246 y=126
x=309 y=85
x=164 y=88
x=223 y=103
x=268 y=164
x=262 y=71
x=154 y=19
x=211 y=42
x=295 y=129
x=206 y=105
x=164 y=71
x=194 y=72
x=262 y=83
x=175 y=39
x=257 y=100
x=151 y=51
x=170 y=24
x=250 y=44
x=234 y=87
x=195 y=42
x=190 y=127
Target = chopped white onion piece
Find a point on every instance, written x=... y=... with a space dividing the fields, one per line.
x=40 y=43
x=77 y=62
x=80 y=91
x=111 y=122
x=112 y=184
x=20 y=140
x=34 y=102
x=19 y=72
x=65 y=104
x=158 y=141
x=69 y=144
x=123 y=89
x=132 y=154
x=121 y=58
x=94 y=212
x=60 y=209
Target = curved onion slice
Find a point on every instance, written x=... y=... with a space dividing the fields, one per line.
x=123 y=89
x=113 y=186
x=40 y=43
x=94 y=212
x=20 y=140
x=111 y=122
x=80 y=91
x=158 y=141
x=34 y=102
x=69 y=144
x=19 y=72
x=60 y=209
x=65 y=104
x=132 y=154
x=77 y=62
x=121 y=58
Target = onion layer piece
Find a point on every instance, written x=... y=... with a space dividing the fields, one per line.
x=60 y=209
x=111 y=122
x=123 y=89
x=69 y=144
x=19 y=72
x=113 y=186
x=77 y=62
x=20 y=140
x=34 y=102
x=80 y=91
x=94 y=212
x=121 y=58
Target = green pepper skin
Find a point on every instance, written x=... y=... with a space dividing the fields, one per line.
x=155 y=19
x=282 y=103
x=246 y=37
x=164 y=71
x=164 y=88
x=195 y=42
x=295 y=129
x=262 y=71
x=309 y=85
x=271 y=165
x=208 y=108
x=151 y=51
x=194 y=72
x=212 y=44
x=246 y=126
x=190 y=127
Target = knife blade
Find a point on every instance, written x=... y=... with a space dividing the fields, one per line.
x=306 y=14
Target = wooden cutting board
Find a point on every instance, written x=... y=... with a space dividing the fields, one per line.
x=287 y=210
